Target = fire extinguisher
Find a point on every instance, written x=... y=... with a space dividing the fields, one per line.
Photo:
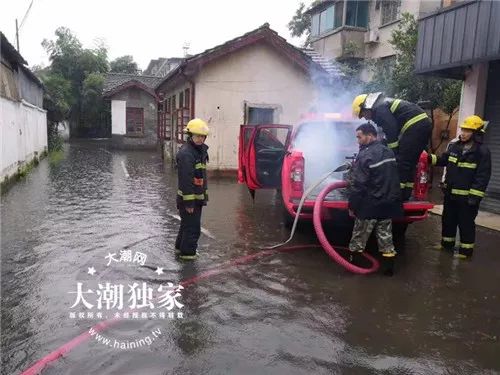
x=421 y=186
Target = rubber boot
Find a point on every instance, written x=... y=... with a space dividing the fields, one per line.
x=388 y=266
x=463 y=253
x=188 y=257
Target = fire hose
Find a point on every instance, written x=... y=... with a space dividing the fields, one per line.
x=318 y=227
x=64 y=349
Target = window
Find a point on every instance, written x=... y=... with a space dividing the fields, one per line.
x=187 y=98
x=315 y=25
x=390 y=11
x=168 y=106
x=326 y=20
x=181 y=99
x=338 y=13
x=357 y=13
x=135 y=121
x=258 y=116
x=182 y=118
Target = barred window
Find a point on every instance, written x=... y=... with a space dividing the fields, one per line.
x=390 y=11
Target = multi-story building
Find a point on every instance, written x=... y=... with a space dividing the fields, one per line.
x=346 y=29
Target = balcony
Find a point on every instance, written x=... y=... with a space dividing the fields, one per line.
x=342 y=43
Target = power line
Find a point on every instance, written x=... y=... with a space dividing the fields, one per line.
x=22 y=22
x=25 y=15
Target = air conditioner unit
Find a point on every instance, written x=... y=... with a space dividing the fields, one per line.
x=372 y=36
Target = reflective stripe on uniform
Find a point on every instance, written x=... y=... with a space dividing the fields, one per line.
x=382 y=162
x=190 y=197
x=467 y=245
x=433 y=159
x=459 y=192
x=200 y=166
x=406 y=185
x=448 y=239
x=452 y=159
x=412 y=121
x=478 y=193
x=395 y=105
x=467 y=165
x=393 y=144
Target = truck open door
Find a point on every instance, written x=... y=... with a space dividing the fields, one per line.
x=260 y=155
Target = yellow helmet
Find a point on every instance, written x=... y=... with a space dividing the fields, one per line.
x=357 y=104
x=197 y=126
x=473 y=123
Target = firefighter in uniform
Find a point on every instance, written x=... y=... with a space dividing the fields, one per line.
x=407 y=129
x=192 y=194
x=468 y=170
x=374 y=193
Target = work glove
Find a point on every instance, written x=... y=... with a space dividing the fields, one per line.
x=473 y=201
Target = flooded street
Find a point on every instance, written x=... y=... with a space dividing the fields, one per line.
x=288 y=313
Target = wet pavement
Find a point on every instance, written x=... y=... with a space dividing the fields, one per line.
x=288 y=313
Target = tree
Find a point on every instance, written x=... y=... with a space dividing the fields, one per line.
x=57 y=100
x=74 y=64
x=300 y=23
x=124 y=64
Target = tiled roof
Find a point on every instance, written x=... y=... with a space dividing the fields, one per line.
x=113 y=80
x=306 y=58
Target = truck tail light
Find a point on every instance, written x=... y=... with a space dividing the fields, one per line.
x=422 y=178
x=297 y=176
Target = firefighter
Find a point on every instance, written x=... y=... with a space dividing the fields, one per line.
x=407 y=129
x=192 y=194
x=468 y=170
x=374 y=193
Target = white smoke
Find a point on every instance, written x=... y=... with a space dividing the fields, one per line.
x=326 y=146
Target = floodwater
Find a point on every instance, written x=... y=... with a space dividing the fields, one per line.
x=286 y=313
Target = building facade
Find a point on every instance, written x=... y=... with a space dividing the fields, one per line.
x=360 y=29
x=257 y=78
x=462 y=41
x=134 y=110
x=23 y=121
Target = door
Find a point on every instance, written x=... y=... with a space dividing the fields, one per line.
x=261 y=152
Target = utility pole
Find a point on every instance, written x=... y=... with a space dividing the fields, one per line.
x=17 y=36
x=21 y=25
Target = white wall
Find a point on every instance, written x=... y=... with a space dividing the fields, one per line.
x=256 y=75
x=23 y=131
x=118 y=116
x=474 y=91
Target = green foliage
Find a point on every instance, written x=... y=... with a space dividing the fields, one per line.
x=300 y=23
x=124 y=64
x=398 y=78
x=74 y=82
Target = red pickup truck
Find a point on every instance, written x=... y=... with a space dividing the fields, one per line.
x=291 y=159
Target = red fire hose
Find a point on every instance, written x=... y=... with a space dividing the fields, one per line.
x=64 y=349
x=330 y=250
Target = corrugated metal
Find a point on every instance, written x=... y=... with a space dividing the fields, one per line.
x=458 y=36
x=493 y=34
x=455 y=36
x=492 y=114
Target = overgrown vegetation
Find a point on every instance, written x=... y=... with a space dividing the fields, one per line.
x=74 y=83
